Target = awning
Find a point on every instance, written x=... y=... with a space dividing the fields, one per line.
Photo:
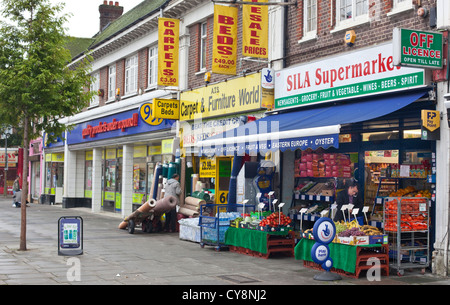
x=303 y=129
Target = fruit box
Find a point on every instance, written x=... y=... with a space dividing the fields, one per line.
x=354 y=240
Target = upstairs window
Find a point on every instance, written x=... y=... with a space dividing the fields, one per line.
x=351 y=12
x=111 y=82
x=95 y=86
x=203 y=37
x=152 y=66
x=131 y=74
x=309 y=19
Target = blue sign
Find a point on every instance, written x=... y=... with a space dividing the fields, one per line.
x=303 y=143
x=121 y=124
x=70 y=236
x=324 y=231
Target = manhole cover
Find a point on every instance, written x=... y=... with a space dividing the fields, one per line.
x=239 y=279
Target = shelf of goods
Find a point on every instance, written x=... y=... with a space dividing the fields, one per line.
x=409 y=191
x=213 y=228
x=406 y=222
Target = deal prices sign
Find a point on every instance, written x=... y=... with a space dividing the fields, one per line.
x=418 y=48
x=255 y=30
x=356 y=74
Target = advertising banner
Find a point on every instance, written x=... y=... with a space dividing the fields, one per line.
x=351 y=75
x=225 y=40
x=168 y=48
x=255 y=30
x=233 y=96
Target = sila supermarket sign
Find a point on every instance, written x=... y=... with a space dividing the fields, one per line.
x=356 y=74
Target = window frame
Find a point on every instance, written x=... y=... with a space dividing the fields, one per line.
x=131 y=74
x=203 y=39
x=309 y=35
x=94 y=87
x=112 y=82
x=152 y=75
x=354 y=20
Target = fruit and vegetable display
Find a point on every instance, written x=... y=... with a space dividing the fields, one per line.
x=410 y=191
x=413 y=215
x=352 y=233
x=275 y=220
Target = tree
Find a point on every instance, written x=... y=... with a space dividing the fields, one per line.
x=37 y=87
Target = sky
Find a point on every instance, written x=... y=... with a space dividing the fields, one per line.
x=85 y=21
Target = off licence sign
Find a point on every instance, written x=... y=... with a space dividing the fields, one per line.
x=418 y=48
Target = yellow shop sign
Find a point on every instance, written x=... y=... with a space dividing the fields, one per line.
x=166 y=109
x=238 y=95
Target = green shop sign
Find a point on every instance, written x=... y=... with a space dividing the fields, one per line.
x=418 y=48
x=356 y=74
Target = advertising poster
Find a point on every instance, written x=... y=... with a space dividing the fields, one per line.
x=225 y=40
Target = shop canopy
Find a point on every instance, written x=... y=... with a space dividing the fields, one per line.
x=303 y=129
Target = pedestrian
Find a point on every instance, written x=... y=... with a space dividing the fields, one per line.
x=16 y=185
x=350 y=195
x=172 y=188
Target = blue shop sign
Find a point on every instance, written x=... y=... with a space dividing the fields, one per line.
x=118 y=125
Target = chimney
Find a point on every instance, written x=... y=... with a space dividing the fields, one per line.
x=109 y=12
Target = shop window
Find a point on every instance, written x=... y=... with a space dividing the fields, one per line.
x=345 y=138
x=139 y=180
x=88 y=179
x=380 y=136
x=412 y=134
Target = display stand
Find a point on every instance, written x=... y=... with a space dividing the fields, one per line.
x=407 y=225
x=259 y=244
x=213 y=228
x=348 y=260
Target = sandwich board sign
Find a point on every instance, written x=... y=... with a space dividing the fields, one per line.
x=70 y=235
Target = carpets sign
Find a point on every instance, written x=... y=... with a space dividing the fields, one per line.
x=361 y=73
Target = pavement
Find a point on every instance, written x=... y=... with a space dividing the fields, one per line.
x=115 y=257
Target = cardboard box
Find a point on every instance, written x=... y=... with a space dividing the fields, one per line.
x=327 y=192
x=378 y=239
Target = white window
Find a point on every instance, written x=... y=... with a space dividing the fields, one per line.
x=95 y=86
x=203 y=36
x=401 y=6
x=351 y=12
x=111 y=83
x=309 y=18
x=152 y=66
x=131 y=74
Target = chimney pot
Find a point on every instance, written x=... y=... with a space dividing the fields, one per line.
x=110 y=3
x=105 y=2
x=116 y=3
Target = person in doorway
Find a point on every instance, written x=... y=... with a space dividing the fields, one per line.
x=172 y=188
x=350 y=195
x=16 y=185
